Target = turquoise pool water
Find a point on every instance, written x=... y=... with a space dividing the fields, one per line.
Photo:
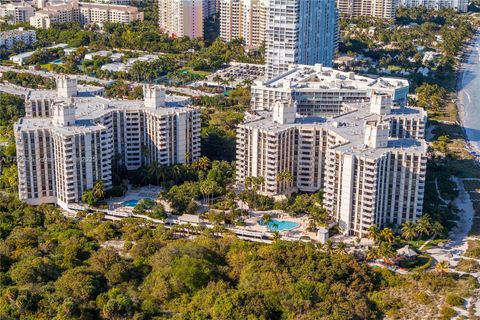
x=131 y=203
x=58 y=61
x=281 y=225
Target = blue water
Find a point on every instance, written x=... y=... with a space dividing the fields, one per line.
x=469 y=95
x=131 y=203
x=280 y=225
x=58 y=61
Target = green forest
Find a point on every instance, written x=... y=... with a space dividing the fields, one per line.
x=52 y=267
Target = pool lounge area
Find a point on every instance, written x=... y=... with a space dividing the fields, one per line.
x=133 y=202
x=280 y=225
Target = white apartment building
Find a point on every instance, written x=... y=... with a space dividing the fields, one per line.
x=120 y=2
x=300 y=32
x=181 y=18
x=243 y=19
x=68 y=138
x=373 y=8
x=16 y=12
x=10 y=37
x=319 y=90
x=370 y=160
x=459 y=5
x=84 y=13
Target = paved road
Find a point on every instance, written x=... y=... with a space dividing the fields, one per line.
x=184 y=91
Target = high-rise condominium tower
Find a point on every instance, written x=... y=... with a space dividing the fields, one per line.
x=300 y=32
x=184 y=18
x=243 y=19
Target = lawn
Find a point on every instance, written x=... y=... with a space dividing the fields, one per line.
x=197 y=72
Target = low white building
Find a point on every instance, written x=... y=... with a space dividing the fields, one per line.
x=68 y=138
x=21 y=58
x=10 y=37
x=103 y=53
x=321 y=90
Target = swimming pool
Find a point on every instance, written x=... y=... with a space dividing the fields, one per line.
x=132 y=203
x=280 y=225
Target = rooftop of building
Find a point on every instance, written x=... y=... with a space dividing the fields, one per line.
x=350 y=126
x=87 y=5
x=318 y=77
x=89 y=106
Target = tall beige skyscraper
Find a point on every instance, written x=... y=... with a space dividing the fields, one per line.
x=243 y=19
x=184 y=18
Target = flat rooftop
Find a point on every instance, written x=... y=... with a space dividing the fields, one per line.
x=317 y=77
x=349 y=126
x=89 y=107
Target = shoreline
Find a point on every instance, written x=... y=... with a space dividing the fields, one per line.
x=460 y=91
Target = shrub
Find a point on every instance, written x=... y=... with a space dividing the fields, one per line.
x=446 y=313
x=467 y=265
x=454 y=300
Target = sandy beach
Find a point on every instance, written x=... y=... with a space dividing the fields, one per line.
x=468 y=93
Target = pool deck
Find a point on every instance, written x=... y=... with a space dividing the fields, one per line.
x=252 y=223
x=150 y=192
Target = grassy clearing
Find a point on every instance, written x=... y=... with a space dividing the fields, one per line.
x=467 y=265
x=473 y=249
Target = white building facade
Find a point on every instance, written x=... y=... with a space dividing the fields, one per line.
x=9 y=38
x=185 y=18
x=244 y=19
x=372 y=8
x=68 y=139
x=459 y=5
x=319 y=90
x=300 y=32
x=370 y=160
x=84 y=13
x=16 y=12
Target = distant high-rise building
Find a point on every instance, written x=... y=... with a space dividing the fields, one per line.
x=85 y=13
x=459 y=5
x=300 y=32
x=243 y=19
x=184 y=18
x=372 y=8
x=16 y=12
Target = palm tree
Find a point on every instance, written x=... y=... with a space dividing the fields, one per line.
x=342 y=247
x=328 y=246
x=203 y=163
x=207 y=188
x=285 y=176
x=217 y=79
x=373 y=233
x=266 y=218
x=442 y=267
x=276 y=236
x=387 y=235
x=408 y=230
x=99 y=189
x=436 y=228
x=423 y=225
x=372 y=254
x=156 y=170
x=247 y=82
